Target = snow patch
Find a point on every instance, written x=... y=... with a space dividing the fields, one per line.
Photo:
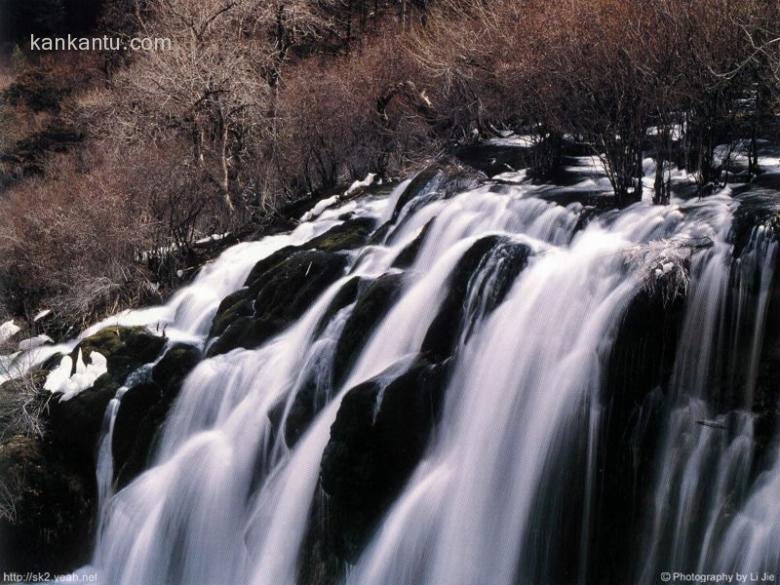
x=319 y=208
x=212 y=238
x=518 y=177
x=61 y=380
x=33 y=342
x=515 y=140
x=367 y=182
x=42 y=315
x=8 y=330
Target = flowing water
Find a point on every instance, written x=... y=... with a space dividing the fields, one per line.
x=508 y=488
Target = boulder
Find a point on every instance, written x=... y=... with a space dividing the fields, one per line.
x=346 y=296
x=349 y=235
x=373 y=303
x=632 y=422
x=143 y=411
x=46 y=510
x=502 y=260
x=409 y=254
x=377 y=439
x=233 y=306
x=766 y=402
x=74 y=425
x=372 y=300
x=283 y=291
x=438 y=181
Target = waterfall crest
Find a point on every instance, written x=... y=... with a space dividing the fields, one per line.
x=449 y=407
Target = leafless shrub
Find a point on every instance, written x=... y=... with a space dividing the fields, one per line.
x=23 y=403
x=346 y=117
x=73 y=238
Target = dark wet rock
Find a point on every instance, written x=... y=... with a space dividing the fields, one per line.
x=134 y=408
x=239 y=306
x=143 y=410
x=503 y=260
x=372 y=304
x=282 y=285
x=46 y=514
x=633 y=414
x=177 y=362
x=493 y=159
x=757 y=208
x=373 y=299
x=766 y=401
x=125 y=349
x=345 y=236
x=74 y=425
x=265 y=266
x=346 y=296
x=376 y=441
x=349 y=235
x=233 y=306
x=380 y=234
x=283 y=292
x=244 y=332
x=409 y=254
x=439 y=181
x=309 y=400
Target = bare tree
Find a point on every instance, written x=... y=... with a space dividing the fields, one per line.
x=216 y=85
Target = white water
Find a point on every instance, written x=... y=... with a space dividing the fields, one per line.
x=708 y=450
x=225 y=501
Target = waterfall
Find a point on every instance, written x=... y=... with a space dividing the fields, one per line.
x=508 y=488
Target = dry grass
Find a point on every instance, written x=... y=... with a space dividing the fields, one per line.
x=23 y=403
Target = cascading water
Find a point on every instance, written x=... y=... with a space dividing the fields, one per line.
x=509 y=487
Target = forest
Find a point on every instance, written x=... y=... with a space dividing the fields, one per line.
x=114 y=163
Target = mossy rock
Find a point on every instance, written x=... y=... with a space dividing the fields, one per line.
x=373 y=302
x=408 y=255
x=47 y=511
x=265 y=266
x=143 y=410
x=125 y=348
x=348 y=235
x=438 y=181
x=508 y=260
x=283 y=293
x=75 y=425
x=233 y=306
x=377 y=439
